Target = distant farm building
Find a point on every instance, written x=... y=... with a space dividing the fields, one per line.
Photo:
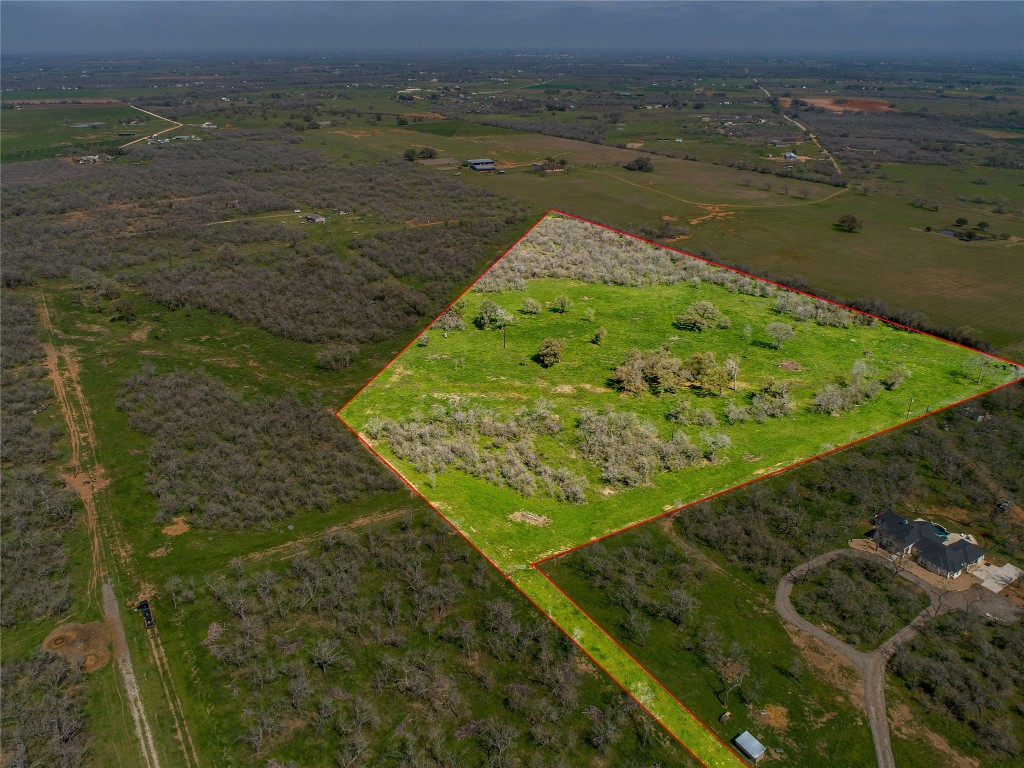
x=313 y=218
x=483 y=164
x=934 y=548
x=749 y=746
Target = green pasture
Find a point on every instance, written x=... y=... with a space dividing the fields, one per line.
x=481 y=367
x=33 y=134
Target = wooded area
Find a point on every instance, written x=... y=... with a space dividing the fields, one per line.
x=226 y=462
x=399 y=646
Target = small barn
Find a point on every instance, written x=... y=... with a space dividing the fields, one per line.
x=751 y=748
x=481 y=164
x=314 y=218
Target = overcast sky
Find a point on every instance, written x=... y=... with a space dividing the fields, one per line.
x=948 y=29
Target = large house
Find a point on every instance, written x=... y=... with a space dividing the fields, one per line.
x=932 y=546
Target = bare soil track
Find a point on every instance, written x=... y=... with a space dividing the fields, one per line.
x=86 y=478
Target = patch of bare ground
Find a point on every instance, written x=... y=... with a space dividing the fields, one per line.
x=790 y=365
x=530 y=518
x=160 y=552
x=906 y=725
x=831 y=666
x=773 y=715
x=715 y=213
x=140 y=333
x=87 y=645
x=177 y=527
x=564 y=389
x=593 y=388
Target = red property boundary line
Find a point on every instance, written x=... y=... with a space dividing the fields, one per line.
x=550 y=618
x=536 y=565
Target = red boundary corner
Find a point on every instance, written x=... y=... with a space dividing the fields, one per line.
x=536 y=565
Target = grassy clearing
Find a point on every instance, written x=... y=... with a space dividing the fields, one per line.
x=33 y=134
x=488 y=371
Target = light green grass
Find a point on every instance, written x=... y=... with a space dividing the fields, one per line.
x=482 y=367
x=473 y=364
x=31 y=134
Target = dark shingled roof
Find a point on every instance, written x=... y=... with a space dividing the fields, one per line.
x=893 y=532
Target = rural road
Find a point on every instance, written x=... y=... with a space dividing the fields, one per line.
x=871 y=666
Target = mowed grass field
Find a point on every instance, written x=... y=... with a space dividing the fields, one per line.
x=487 y=370
x=34 y=134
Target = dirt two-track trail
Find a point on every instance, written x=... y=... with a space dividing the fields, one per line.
x=87 y=478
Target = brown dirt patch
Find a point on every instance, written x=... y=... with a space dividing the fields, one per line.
x=564 y=389
x=177 y=527
x=355 y=134
x=903 y=723
x=593 y=388
x=841 y=104
x=85 y=644
x=530 y=518
x=160 y=552
x=790 y=365
x=773 y=715
x=832 y=667
x=140 y=333
x=993 y=134
x=715 y=213
x=634 y=145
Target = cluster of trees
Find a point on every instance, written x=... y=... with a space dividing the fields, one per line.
x=972 y=671
x=865 y=140
x=35 y=509
x=629 y=450
x=701 y=316
x=658 y=371
x=642 y=164
x=43 y=717
x=560 y=247
x=860 y=386
x=385 y=288
x=227 y=462
x=481 y=443
x=647 y=578
x=653 y=586
x=773 y=400
x=858 y=600
x=824 y=313
x=774 y=525
x=399 y=645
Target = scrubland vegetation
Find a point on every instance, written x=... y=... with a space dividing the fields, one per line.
x=681 y=401
x=399 y=646
x=36 y=510
x=224 y=462
x=395 y=645
x=859 y=601
x=713 y=571
x=43 y=697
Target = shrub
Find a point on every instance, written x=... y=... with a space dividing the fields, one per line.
x=336 y=357
x=550 y=352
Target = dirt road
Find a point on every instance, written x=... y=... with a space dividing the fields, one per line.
x=810 y=135
x=174 y=124
x=86 y=479
x=871 y=666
